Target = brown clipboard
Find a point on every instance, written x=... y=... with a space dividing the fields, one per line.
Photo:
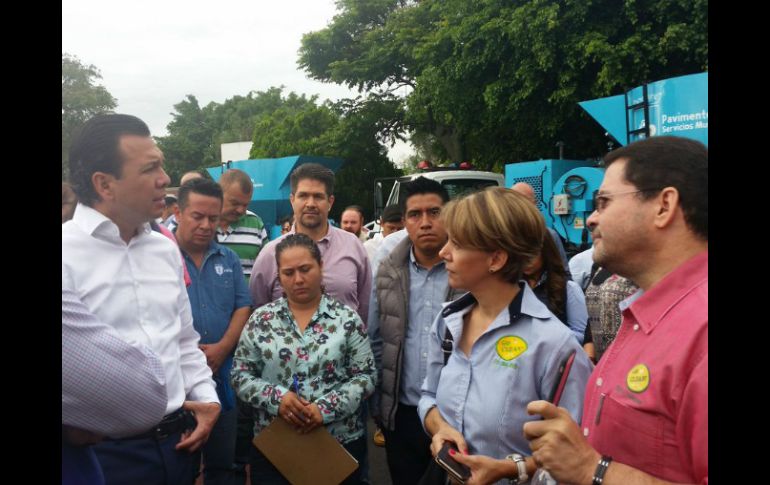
x=315 y=458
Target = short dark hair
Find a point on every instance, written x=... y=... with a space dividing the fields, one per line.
x=169 y=199
x=392 y=213
x=422 y=186
x=314 y=171
x=200 y=186
x=96 y=148
x=240 y=177
x=670 y=161
x=294 y=241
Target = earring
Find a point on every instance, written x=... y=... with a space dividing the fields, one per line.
x=491 y=270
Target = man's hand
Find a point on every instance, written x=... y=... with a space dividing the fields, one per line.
x=558 y=446
x=215 y=355
x=206 y=413
x=485 y=470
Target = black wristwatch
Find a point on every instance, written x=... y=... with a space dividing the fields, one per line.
x=521 y=464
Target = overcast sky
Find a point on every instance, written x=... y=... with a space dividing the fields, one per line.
x=152 y=54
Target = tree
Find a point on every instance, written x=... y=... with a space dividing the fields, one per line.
x=195 y=134
x=340 y=130
x=497 y=81
x=281 y=126
x=81 y=98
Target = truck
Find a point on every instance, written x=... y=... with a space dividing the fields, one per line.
x=457 y=181
x=565 y=189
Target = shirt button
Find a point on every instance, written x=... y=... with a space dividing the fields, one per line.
x=599 y=381
x=424 y=354
x=636 y=327
x=585 y=431
x=427 y=328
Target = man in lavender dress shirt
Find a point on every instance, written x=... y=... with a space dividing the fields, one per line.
x=347 y=275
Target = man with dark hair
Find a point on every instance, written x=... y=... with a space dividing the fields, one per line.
x=240 y=229
x=352 y=220
x=347 y=276
x=410 y=287
x=645 y=415
x=131 y=278
x=221 y=306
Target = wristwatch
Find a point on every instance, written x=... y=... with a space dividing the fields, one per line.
x=521 y=464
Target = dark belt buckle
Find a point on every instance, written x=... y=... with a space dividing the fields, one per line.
x=161 y=433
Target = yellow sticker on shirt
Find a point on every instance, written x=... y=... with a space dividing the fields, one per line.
x=508 y=348
x=638 y=378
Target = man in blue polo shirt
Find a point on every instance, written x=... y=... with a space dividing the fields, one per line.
x=220 y=304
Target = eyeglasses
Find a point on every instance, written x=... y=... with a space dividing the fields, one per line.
x=415 y=215
x=602 y=199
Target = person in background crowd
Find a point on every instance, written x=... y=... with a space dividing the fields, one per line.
x=68 y=202
x=220 y=304
x=392 y=220
x=240 y=229
x=352 y=221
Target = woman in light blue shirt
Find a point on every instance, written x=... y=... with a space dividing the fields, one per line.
x=304 y=358
x=505 y=346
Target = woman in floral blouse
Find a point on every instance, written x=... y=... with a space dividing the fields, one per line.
x=319 y=340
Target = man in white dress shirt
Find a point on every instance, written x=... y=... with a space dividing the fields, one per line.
x=131 y=278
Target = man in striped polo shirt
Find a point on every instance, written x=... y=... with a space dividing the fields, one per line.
x=240 y=229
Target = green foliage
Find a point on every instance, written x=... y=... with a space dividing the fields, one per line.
x=349 y=130
x=279 y=126
x=496 y=81
x=195 y=134
x=81 y=98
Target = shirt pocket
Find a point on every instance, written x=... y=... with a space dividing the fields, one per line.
x=631 y=436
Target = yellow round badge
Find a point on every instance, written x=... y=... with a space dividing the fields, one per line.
x=508 y=348
x=638 y=378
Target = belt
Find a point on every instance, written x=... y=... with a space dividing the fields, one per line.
x=176 y=422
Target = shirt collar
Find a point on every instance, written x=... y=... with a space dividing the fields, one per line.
x=96 y=224
x=417 y=264
x=650 y=307
x=525 y=303
x=324 y=308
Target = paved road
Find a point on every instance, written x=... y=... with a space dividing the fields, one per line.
x=378 y=466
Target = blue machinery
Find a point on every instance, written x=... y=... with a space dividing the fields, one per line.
x=270 y=177
x=565 y=188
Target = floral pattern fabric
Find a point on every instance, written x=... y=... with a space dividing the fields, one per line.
x=332 y=360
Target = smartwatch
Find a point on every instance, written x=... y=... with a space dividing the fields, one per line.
x=521 y=464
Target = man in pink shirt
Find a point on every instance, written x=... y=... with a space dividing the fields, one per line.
x=645 y=414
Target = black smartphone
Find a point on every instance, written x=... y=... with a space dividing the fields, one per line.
x=561 y=381
x=457 y=471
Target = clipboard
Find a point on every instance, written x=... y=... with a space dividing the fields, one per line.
x=315 y=458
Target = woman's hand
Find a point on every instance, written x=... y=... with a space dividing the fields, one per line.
x=293 y=410
x=447 y=433
x=442 y=432
x=315 y=419
x=485 y=470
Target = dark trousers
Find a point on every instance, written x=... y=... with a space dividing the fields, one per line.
x=243 y=436
x=264 y=473
x=407 y=447
x=146 y=461
x=79 y=466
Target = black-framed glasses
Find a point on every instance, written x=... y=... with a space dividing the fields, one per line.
x=601 y=199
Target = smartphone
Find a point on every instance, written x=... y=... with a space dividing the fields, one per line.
x=561 y=381
x=457 y=471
